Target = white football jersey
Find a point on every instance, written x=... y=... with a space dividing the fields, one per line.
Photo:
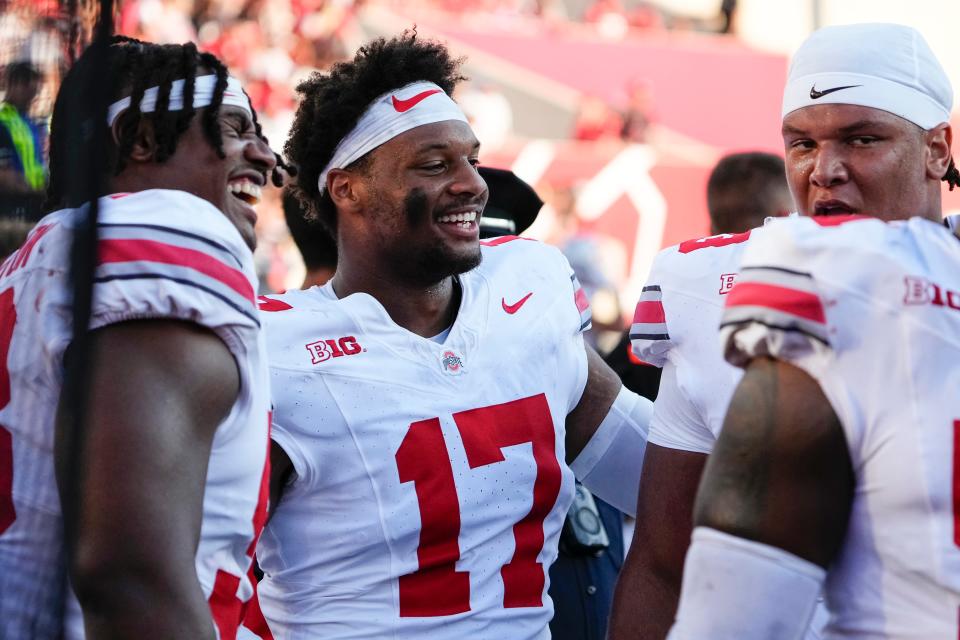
x=430 y=481
x=162 y=254
x=675 y=328
x=871 y=310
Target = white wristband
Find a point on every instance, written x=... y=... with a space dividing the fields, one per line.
x=610 y=463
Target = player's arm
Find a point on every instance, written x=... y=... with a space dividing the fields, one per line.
x=648 y=589
x=158 y=389
x=771 y=512
x=606 y=435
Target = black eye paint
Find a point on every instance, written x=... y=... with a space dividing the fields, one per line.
x=416 y=209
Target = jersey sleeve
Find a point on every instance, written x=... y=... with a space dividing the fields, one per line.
x=576 y=306
x=170 y=255
x=649 y=334
x=584 y=318
x=795 y=301
x=676 y=423
x=776 y=308
x=290 y=415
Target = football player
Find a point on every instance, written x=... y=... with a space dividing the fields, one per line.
x=173 y=489
x=836 y=466
x=676 y=320
x=428 y=399
x=674 y=328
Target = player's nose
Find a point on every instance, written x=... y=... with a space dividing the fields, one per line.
x=829 y=167
x=258 y=152
x=468 y=181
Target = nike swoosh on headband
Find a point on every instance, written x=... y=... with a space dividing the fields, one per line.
x=405 y=105
x=814 y=94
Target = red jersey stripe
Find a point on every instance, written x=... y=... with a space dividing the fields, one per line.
x=493 y=242
x=120 y=250
x=798 y=303
x=581 y=299
x=226 y=609
x=649 y=311
x=834 y=221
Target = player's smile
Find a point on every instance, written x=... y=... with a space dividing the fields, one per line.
x=245 y=192
x=461 y=222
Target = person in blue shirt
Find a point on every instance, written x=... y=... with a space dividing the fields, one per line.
x=23 y=172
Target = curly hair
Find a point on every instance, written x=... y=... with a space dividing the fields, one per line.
x=331 y=104
x=134 y=67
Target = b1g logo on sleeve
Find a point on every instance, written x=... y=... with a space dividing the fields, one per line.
x=923 y=291
x=323 y=350
x=727 y=280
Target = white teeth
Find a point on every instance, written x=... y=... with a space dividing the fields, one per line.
x=247 y=188
x=469 y=216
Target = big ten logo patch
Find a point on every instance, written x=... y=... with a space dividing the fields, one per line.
x=727 y=280
x=922 y=291
x=323 y=350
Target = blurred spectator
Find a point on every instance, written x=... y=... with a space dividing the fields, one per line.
x=744 y=189
x=316 y=245
x=639 y=112
x=596 y=120
x=728 y=13
x=23 y=173
x=609 y=17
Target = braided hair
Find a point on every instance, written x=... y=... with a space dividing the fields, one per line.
x=952 y=176
x=332 y=103
x=135 y=66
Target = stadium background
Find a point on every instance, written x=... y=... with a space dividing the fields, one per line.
x=615 y=110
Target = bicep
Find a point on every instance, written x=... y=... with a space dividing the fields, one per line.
x=780 y=473
x=157 y=391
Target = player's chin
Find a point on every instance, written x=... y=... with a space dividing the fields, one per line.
x=466 y=259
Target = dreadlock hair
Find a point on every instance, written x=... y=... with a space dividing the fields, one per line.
x=135 y=66
x=331 y=104
x=952 y=176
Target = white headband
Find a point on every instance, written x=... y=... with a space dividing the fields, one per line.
x=203 y=87
x=387 y=117
x=883 y=66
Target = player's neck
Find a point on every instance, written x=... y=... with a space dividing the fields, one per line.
x=425 y=310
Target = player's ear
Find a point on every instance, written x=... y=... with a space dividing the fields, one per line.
x=345 y=190
x=144 y=138
x=939 y=140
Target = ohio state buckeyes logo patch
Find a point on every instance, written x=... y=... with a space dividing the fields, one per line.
x=323 y=350
x=451 y=363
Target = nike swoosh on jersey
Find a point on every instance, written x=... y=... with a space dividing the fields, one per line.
x=513 y=308
x=816 y=95
x=405 y=105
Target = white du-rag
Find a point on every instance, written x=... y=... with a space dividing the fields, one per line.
x=884 y=66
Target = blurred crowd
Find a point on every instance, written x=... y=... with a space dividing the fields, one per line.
x=273 y=44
